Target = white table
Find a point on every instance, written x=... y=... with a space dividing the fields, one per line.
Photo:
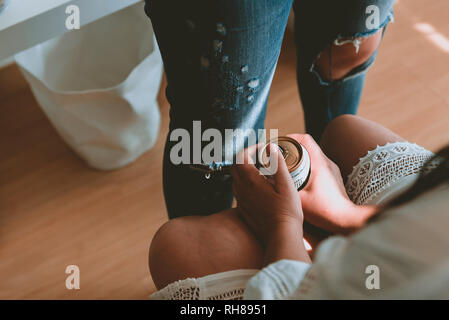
x=25 y=23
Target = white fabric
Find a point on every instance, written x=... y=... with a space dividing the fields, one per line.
x=220 y=286
x=381 y=175
x=98 y=86
x=277 y=281
x=409 y=245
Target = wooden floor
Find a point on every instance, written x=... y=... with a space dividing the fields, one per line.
x=55 y=211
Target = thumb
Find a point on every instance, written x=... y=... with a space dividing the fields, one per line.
x=282 y=179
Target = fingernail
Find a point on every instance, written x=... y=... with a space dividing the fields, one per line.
x=273 y=148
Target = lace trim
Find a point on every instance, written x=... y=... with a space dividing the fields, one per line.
x=383 y=167
x=236 y=294
x=228 y=285
x=187 y=289
x=190 y=289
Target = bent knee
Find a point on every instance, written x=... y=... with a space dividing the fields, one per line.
x=165 y=250
x=338 y=60
x=194 y=246
x=335 y=127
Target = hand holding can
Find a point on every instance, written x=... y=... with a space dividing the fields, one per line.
x=295 y=155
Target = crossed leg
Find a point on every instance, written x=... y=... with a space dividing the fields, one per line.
x=197 y=246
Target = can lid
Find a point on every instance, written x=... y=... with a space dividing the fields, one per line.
x=291 y=151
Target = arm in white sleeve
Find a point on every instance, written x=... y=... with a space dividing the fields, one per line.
x=401 y=255
x=279 y=280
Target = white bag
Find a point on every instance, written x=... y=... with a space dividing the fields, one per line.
x=98 y=86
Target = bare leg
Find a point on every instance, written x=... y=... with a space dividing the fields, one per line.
x=348 y=138
x=345 y=58
x=197 y=246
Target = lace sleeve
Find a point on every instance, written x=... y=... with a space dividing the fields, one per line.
x=384 y=167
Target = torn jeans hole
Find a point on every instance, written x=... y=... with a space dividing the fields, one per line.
x=356 y=39
x=213 y=168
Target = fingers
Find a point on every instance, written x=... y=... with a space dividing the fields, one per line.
x=246 y=155
x=317 y=156
x=309 y=143
x=244 y=158
x=245 y=174
x=282 y=179
x=247 y=177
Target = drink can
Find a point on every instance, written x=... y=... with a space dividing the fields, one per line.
x=296 y=157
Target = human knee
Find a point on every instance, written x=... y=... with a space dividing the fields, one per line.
x=339 y=59
x=164 y=252
x=335 y=127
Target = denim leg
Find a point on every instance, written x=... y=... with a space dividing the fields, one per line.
x=219 y=57
x=319 y=24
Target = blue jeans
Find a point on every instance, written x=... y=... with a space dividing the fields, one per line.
x=220 y=57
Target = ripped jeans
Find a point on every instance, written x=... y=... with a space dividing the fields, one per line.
x=220 y=57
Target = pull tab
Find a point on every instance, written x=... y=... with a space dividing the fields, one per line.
x=207 y=176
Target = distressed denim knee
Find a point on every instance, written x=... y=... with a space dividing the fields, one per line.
x=355 y=53
x=330 y=76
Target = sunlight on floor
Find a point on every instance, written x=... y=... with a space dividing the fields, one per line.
x=438 y=39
